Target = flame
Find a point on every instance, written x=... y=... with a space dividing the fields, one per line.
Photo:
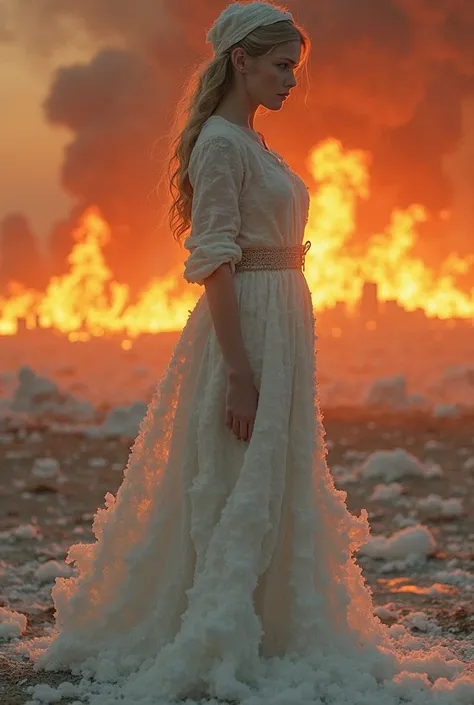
x=337 y=273
x=87 y=301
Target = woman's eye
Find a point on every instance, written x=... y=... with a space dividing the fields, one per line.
x=284 y=65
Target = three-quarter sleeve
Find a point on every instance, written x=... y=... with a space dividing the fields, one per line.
x=216 y=173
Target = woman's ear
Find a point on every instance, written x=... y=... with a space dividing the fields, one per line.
x=239 y=59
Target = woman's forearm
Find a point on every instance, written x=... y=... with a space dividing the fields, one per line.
x=225 y=316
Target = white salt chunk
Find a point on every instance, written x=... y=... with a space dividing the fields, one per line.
x=26 y=531
x=387 y=493
x=97 y=462
x=413 y=541
x=435 y=507
x=433 y=444
x=46 y=468
x=12 y=624
x=53 y=569
x=469 y=464
x=391 y=465
x=443 y=411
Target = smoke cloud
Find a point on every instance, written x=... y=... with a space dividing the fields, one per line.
x=114 y=106
x=389 y=76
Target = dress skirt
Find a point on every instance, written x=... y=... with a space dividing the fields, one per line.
x=224 y=568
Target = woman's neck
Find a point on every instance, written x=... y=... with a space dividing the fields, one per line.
x=234 y=111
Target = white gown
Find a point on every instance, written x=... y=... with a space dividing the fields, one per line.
x=225 y=568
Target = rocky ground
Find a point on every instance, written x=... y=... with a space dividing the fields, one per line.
x=432 y=595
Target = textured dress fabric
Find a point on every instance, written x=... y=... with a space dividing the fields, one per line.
x=222 y=568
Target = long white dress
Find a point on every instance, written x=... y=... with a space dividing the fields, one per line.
x=225 y=568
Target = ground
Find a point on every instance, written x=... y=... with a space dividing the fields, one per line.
x=63 y=507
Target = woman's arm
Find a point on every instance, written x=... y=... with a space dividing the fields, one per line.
x=241 y=394
x=225 y=316
x=217 y=175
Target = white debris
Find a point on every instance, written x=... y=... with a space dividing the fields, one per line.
x=36 y=395
x=97 y=462
x=353 y=454
x=458 y=577
x=391 y=465
x=17 y=453
x=44 y=693
x=402 y=521
x=46 y=468
x=412 y=541
x=456 y=385
x=12 y=624
x=442 y=411
x=388 y=392
x=432 y=470
x=87 y=516
x=51 y=570
x=25 y=531
x=123 y=421
x=469 y=464
x=433 y=444
x=388 y=611
x=387 y=493
x=34 y=437
x=423 y=623
x=453 y=547
x=435 y=507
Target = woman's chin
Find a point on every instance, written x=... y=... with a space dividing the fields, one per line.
x=274 y=104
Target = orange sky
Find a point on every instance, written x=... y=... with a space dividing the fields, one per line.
x=30 y=149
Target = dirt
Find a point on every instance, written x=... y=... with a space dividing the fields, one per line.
x=63 y=510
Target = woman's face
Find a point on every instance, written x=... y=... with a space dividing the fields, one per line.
x=270 y=78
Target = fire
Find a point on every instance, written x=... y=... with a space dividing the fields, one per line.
x=87 y=301
x=335 y=273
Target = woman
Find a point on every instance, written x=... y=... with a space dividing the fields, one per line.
x=223 y=567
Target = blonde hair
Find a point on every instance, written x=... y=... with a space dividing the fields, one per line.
x=206 y=89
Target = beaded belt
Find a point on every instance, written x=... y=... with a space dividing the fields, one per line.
x=289 y=257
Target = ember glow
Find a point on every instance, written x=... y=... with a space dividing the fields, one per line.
x=404 y=584
x=88 y=302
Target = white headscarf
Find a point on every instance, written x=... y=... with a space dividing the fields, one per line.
x=238 y=19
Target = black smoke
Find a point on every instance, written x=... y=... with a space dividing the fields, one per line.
x=389 y=76
x=114 y=108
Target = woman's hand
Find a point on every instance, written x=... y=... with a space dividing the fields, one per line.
x=241 y=405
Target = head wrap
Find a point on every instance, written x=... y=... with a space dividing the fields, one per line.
x=238 y=19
